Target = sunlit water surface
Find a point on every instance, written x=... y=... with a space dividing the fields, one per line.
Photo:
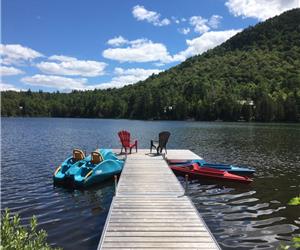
x=240 y=216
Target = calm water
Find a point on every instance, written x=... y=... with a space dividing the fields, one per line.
x=247 y=217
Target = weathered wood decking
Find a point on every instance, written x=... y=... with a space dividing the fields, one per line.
x=150 y=210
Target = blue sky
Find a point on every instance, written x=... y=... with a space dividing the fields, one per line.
x=63 y=45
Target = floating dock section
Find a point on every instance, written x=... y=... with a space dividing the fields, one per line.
x=150 y=209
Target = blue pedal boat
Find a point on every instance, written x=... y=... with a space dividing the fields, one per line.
x=78 y=158
x=238 y=170
x=102 y=164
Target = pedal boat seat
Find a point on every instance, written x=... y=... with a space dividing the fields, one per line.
x=96 y=158
x=78 y=155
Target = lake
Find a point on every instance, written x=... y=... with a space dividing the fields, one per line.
x=239 y=216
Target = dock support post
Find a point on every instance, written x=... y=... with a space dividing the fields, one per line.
x=116 y=183
x=186 y=184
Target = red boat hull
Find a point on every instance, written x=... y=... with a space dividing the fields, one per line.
x=194 y=171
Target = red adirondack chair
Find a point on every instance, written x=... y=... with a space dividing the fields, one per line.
x=125 y=141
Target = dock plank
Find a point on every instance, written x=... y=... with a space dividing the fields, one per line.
x=178 y=245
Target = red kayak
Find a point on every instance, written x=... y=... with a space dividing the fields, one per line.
x=194 y=171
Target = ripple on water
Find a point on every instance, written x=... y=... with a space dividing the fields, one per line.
x=239 y=219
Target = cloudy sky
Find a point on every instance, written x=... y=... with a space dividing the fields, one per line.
x=63 y=45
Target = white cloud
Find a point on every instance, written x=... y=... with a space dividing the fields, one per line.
x=140 y=50
x=138 y=42
x=142 y=14
x=159 y=64
x=143 y=50
x=16 y=54
x=62 y=58
x=199 y=23
x=10 y=71
x=71 y=66
x=7 y=86
x=136 y=71
x=126 y=77
x=117 y=82
x=184 y=31
x=117 y=41
x=121 y=77
x=214 y=21
x=57 y=82
x=205 y=42
x=202 y=25
x=260 y=9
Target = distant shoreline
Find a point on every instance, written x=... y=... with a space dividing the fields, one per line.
x=158 y=120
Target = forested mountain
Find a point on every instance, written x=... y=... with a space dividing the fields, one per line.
x=255 y=75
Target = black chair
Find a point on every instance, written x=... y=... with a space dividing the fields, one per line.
x=161 y=143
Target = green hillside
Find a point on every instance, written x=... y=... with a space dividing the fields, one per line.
x=255 y=75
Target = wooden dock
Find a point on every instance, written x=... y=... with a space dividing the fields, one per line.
x=150 y=210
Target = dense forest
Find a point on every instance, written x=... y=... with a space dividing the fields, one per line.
x=255 y=75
